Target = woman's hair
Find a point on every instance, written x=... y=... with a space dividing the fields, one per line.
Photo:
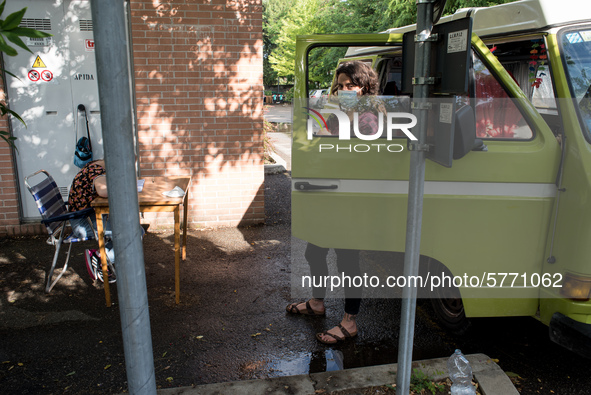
x=361 y=75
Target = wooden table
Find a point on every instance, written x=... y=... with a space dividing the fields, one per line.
x=151 y=199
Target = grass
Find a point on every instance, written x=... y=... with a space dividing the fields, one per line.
x=421 y=383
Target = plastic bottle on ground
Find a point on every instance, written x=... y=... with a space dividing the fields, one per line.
x=460 y=374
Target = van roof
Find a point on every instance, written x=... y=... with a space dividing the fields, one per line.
x=519 y=16
x=525 y=15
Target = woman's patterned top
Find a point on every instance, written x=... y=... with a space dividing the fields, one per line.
x=82 y=191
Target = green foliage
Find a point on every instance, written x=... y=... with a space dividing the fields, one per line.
x=405 y=11
x=11 y=32
x=421 y=382
x=284 y=20
x=300 y=19
x=268 y=146
x=274 y=12
x=269 y=75
x=317 y=17
x=9 y=29
x=288 y=97
x=355 y=16
x=352 y=16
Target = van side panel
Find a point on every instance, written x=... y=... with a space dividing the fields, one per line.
x=489 y=212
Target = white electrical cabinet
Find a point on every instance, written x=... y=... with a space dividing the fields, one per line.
x=52 y=82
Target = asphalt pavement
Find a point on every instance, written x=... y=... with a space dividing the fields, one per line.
x=279 y=113
x=230 y=333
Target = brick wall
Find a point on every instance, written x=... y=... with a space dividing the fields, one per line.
x=9 y=217
x=198 y=75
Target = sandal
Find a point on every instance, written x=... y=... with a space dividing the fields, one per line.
x=293 y=309
x=336 y=337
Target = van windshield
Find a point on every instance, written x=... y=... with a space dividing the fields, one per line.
x=576 y=52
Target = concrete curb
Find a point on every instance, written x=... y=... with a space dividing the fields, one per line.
x=278 y=159
x=490 y=377
x=279 y=167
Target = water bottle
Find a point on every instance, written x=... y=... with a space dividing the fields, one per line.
x=460 y=374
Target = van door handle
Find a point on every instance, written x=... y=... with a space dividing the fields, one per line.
x=306 y=186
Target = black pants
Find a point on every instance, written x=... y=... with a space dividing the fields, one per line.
x=347 y=263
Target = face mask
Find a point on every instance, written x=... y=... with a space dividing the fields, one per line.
x=347 y=99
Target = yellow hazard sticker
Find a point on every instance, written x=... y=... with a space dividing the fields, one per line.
x=38 y=62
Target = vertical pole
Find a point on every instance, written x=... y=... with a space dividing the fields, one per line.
x=116 y=116
x=415 y=195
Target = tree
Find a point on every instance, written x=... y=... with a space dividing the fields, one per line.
x=352 y=16
x=314 y=16
x=10 y=30
x=274 y=12
x=355 y=16
x=406 y=10
x=300 y=19
x=283 y=21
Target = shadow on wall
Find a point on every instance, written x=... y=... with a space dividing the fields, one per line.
x=198 y=75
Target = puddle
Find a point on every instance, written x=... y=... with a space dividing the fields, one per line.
x=307 y=362
x=334 y=360
x=291 y=365
x=346 y=357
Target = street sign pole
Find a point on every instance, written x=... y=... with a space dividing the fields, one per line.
x=116 y=116
x=415 y=191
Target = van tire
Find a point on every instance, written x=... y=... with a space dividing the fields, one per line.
x=450 y=314
x=447 y=303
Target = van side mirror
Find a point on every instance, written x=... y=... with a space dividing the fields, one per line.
x=465 y=132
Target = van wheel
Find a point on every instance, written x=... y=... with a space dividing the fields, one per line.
x=447 y=303
x=450 y=314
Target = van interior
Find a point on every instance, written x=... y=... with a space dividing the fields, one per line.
x=497 y=116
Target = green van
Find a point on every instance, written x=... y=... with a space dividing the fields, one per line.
x=510 y=222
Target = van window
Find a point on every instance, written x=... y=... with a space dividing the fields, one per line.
x=497 y=116
x=527 y=62
x=576 y=55
x=321 y=63
x=367 y=111
x=390 y=70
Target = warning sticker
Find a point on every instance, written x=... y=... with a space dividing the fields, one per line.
x=46 y=75
x=34 y=75
x=457 y=41
x=39 y=41
x=38 y=63
x=445 y=112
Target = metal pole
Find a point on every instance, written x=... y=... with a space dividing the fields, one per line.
x=415 y=195
x=116 y=116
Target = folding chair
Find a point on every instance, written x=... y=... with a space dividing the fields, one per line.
x=56 y=219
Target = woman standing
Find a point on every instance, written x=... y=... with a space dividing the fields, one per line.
x=354 y=81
